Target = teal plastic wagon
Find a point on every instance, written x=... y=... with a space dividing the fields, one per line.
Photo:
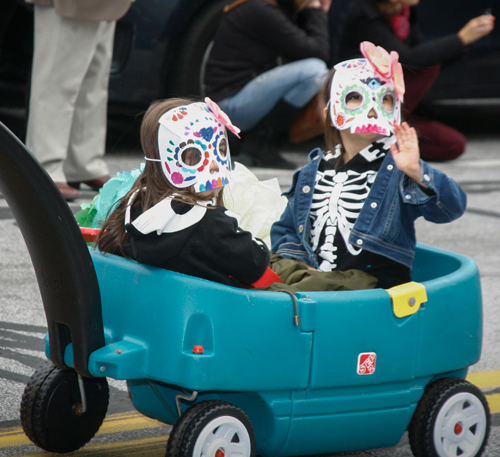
x=242 y=372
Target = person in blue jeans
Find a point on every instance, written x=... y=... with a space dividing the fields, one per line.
x=266 y=64
x=354 y=206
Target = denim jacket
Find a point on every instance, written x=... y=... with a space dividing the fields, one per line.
x=385 y=224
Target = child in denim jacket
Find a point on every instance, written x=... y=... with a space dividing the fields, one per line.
x=354 y=206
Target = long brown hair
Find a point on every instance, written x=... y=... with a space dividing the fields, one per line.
x=152 y=184
x=332 y=135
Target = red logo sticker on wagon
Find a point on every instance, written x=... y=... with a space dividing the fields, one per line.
x=366 y=363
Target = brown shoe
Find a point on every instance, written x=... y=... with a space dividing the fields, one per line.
x=95 y=184
x=310 y=122
x=69 y=193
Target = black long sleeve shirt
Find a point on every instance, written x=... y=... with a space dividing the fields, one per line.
x=213 y=248
x=252 y=37
x=366 y=23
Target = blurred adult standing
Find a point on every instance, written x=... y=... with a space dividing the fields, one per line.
x=392 y=24
x=244 y=76
x=73 y=48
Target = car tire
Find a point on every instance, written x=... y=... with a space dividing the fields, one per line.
x=453 y=414
x=191 y=56
x=51 y=409
x=214 y=427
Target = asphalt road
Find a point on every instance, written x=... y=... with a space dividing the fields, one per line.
x=22 y=321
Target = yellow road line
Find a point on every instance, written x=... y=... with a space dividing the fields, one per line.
x=14 y=436
x=485 y=380
x=114 y=423
x=125 y=422
x=150 y=447
x=494 y=403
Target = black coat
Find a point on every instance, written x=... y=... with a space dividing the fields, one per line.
x=251 y=38
x=212 y=248
x=366 y=23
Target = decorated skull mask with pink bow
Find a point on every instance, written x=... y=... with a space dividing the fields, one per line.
x=362 y=85
x=192 y=138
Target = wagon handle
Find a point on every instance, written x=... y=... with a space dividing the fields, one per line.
x=62 y=263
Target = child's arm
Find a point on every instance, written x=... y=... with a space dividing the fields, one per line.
x=286 y=240
x=406 y=152
x=440 y=199
x=233 y=250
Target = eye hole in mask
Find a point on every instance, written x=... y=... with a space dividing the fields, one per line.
x=223 y=148
x=353 y=100
x=388 y=102
x=191 y=157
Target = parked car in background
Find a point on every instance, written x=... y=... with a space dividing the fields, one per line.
x=161 y=47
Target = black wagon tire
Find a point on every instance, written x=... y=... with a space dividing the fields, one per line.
x=212 y=428
x=51 y=409
x=187 y=73
x=452 y=419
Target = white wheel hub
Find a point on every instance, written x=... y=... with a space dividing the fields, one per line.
x=460 y=426
x=224 y=436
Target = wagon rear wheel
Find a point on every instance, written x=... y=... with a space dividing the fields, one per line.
x=212 y=429
x=452 y=419
x=51 y=409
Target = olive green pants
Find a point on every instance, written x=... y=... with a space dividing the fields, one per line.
x=296 y=276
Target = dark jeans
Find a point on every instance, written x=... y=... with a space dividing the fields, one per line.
x=438 y=142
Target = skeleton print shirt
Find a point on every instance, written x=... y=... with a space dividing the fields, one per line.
x=339 y=194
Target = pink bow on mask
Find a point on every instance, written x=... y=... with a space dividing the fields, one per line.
x=221 y=116
x=386 y=65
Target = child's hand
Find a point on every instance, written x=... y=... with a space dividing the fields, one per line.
x=407 y=157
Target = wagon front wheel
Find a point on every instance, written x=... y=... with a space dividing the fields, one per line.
x=212 y=429
x=51 y=409
x=452 y=419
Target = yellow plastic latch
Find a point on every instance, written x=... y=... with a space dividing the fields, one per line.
x=407 y=298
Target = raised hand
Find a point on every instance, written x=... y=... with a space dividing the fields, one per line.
x=406 y=153
x=476 y=28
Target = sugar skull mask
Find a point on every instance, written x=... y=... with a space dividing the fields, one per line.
x=191 y=138
x=362 y=85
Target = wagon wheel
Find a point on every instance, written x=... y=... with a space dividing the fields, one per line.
x=51 y=409
x=451 y=419
x=212 y=429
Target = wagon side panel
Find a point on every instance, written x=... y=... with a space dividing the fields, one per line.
x=197 y=334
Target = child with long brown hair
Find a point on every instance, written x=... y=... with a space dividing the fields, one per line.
x=167 y=219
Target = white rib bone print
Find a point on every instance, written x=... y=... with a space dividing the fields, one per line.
x=337 y=208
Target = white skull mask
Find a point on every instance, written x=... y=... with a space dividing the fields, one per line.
x=357 y=89
x=191 y=138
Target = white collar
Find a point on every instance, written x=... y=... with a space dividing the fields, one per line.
x=161 y=218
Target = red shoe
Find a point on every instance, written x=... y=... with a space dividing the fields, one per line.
x=69 y=193
x=95 y=184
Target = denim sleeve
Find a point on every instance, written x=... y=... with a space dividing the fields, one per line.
x=283 y=231
x=445 y=202
x=286 y=241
